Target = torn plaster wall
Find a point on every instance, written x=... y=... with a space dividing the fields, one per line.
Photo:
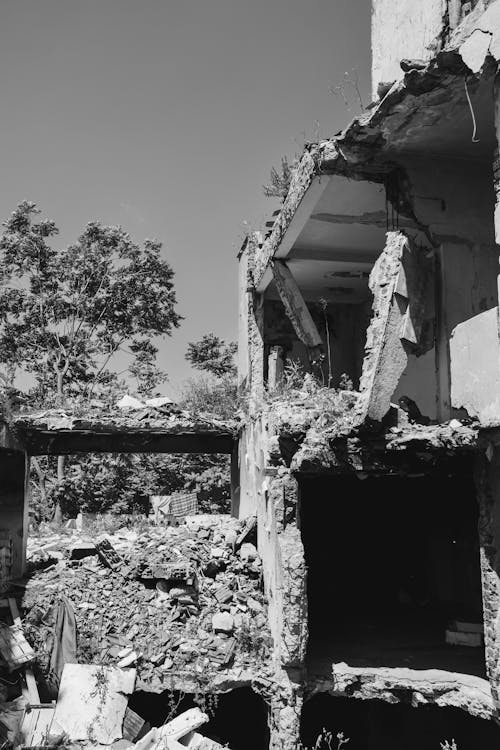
x=405 y=29
x=14 y=503
x=487 y=478
x=455 y=201
x=475 y=367
x=251 y=461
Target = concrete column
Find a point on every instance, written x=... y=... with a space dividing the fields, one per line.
x=250 y=326
x=14 y=470
x=235 y=481
x=275 y=368
x=487 y=479
x=286 y=709
x=285 y=573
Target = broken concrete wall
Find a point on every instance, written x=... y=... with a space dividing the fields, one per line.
x=455 y=202
x=405 y=29
x=271 y=494
x=402 y=283
x=488 y=493
x=475 y=366
x=14 y=472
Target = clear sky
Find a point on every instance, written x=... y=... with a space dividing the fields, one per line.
x=165 y=116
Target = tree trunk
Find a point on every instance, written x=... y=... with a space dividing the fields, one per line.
x=61 y=372
x=40 y=482
x=59 y=387
x=60 y=477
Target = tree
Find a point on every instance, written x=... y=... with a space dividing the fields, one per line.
x=215 y=392
x=66 y=314
x=212 y=354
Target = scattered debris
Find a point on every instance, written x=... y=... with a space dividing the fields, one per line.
x=175 y=600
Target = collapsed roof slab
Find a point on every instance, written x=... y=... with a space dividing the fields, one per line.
x=439 y=109
x=45 y=435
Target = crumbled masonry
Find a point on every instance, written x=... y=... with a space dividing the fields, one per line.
x=163 y=601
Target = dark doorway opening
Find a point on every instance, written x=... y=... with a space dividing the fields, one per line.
x=238 y=718
x=392 y=564
x=373 y=725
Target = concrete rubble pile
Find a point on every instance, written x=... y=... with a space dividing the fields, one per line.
x=146 y=608
x=180 y=598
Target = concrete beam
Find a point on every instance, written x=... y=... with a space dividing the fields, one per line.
x=295 y=306
x=305 y=191
x=351 y=257
x=370 y=219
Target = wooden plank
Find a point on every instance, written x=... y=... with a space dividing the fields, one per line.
x=295 y=306
x=31 y=686
x=36 y=725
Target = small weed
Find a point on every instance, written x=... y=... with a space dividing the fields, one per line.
x=326 y=741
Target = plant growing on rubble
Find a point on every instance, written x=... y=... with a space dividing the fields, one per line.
x=280 y=179
x=349 y=88
x=325 y=740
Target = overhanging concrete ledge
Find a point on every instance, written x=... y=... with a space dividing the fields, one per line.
x=412 y=686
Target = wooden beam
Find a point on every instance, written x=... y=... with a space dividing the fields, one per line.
x=295 y=306
x=67 y=442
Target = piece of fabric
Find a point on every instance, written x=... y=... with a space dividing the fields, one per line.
x=183 y=505
x=64 y=643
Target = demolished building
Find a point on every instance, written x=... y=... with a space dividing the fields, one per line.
x=377 y=492
x=377 y=502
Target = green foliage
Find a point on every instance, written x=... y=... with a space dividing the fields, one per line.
x=122 y=483
x=280 y=180
x=64 y=314
x=104 y=483
x=208 y=394
x=212 y=354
